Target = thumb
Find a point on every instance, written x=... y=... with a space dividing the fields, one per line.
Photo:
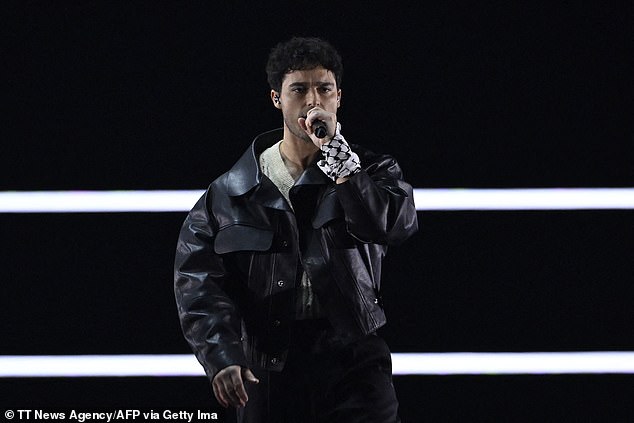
x=302 y=123
x=248 y=375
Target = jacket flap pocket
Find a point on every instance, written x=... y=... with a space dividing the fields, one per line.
x=242 y=238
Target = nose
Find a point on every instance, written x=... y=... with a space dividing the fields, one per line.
x=312 y=97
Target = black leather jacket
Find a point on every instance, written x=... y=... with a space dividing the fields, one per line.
x=239 y=257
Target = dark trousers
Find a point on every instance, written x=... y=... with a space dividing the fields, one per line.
x=347 y=384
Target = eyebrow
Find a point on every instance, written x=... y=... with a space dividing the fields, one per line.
x=318 y=83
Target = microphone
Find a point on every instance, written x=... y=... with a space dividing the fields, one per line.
x=320 y=129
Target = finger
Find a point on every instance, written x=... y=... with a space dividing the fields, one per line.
x=238 y=388
x=232 y=397
x=248 y=375
x=235 y=400
x=302 y=124
x=328 y=119
x=311 y=116
x=219 y=396
x=231 y=394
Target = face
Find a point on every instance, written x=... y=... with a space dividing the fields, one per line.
x=301 y=91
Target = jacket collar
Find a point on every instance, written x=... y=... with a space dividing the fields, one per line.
x=246 y=174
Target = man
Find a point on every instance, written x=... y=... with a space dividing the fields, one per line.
x=278 y=265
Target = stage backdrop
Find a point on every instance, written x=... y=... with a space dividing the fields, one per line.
x=167 y=95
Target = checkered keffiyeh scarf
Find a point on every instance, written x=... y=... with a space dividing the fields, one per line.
x=338 y=159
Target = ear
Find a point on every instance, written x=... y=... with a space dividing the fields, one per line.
x=275 y=98
x=338 y=98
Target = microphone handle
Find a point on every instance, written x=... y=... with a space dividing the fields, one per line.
x=320 y=129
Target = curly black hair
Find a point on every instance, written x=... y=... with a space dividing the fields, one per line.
x=300 y=53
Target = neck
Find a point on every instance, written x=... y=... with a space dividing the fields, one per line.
x=296 y=152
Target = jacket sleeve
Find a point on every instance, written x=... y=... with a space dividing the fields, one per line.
x=378 y=204
x=208 y=317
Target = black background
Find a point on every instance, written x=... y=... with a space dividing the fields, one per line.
x=167 y=95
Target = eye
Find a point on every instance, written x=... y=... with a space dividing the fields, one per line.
x=298 y=90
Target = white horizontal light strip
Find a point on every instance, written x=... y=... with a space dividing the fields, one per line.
x=425 y=199
x=97 y=201
x=99 y=365
x=403 y=364
x=524 y=199
x=513 y=363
